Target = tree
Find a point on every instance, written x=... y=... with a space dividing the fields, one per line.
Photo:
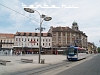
x=98 y=49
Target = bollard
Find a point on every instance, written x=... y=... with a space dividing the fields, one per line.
x=42 y=61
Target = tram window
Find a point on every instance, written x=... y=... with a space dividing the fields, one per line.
x=75 y=51
x=84 y=51
x=81 y=51
x=71 y=50
x=78 y=51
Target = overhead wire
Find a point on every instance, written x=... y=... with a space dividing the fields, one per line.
x=27 y=16
x=20 y=13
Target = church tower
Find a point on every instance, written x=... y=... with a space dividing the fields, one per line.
x=75 y=26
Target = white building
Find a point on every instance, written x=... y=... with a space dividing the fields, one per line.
x=27 y=42
x=6 y=43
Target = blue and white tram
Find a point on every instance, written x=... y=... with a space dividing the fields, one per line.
x=76 y=53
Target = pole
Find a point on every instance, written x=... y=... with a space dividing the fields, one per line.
x=40 y=41
x=22 y=46
x=41 y=20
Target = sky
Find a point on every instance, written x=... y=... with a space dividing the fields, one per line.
x=86 y=13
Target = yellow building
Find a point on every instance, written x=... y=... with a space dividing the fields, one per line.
x=92 y=48
x=62 y=37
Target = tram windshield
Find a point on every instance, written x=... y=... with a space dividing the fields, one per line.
x=71 y=51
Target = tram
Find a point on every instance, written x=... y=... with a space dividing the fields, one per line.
x=76 y=53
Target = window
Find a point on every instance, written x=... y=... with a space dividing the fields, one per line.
x=63 y=33
x=31 y=39
x=43 y=44
x=43 y=39
x=68 y=39
x=46 y=44
x=35 y=34
x=46 y=40
x=75 y=51
x=22 y=39
x=71 y=51
x=19 y=39
x=59 y=38
x=19 y=33
x=54 y=33
x=30 y=34
x=49 y=44
x=24 y=34
x=64 y=43
x=59 y=33
x=48 y=34
x=64 y=39
x=68 y=34
x=49 y=40
x=16 y=39
x=37 y=44
x=28 y=39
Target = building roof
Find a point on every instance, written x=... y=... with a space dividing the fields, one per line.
x=66 y=29
x=32 y=34
x=6 y=35
x=62 y=29
x=74 y=23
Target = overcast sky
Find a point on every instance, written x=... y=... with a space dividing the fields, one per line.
x=85 y=12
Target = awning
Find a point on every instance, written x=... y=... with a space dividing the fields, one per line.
x=60 y=50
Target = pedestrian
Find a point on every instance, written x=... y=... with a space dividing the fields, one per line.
x=6 y=53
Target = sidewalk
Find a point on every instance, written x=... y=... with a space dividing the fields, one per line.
x=17 y=65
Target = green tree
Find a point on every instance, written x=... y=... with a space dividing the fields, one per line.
x=98 y=49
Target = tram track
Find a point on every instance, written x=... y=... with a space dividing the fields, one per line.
x=45 y=68
x=42 y=69
x=50 y=67
x=59 y=66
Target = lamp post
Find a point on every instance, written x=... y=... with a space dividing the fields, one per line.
x=42 y=17
x=22 y=46
x=74 y=39
x=83 y=43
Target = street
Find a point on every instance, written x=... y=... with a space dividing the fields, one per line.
x=55 y=65
x=88 y=66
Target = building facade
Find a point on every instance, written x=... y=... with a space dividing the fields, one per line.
x=6 y=42
x=92 y=48
x=28 y=43
x=62 y=37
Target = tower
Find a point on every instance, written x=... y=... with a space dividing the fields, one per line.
x=74 y=26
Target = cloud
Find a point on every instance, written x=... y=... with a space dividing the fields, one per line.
x=87 y=15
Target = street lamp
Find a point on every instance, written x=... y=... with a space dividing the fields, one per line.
x=74 y=39
x=81 y=42
x=22 y=46
x=42 y=17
